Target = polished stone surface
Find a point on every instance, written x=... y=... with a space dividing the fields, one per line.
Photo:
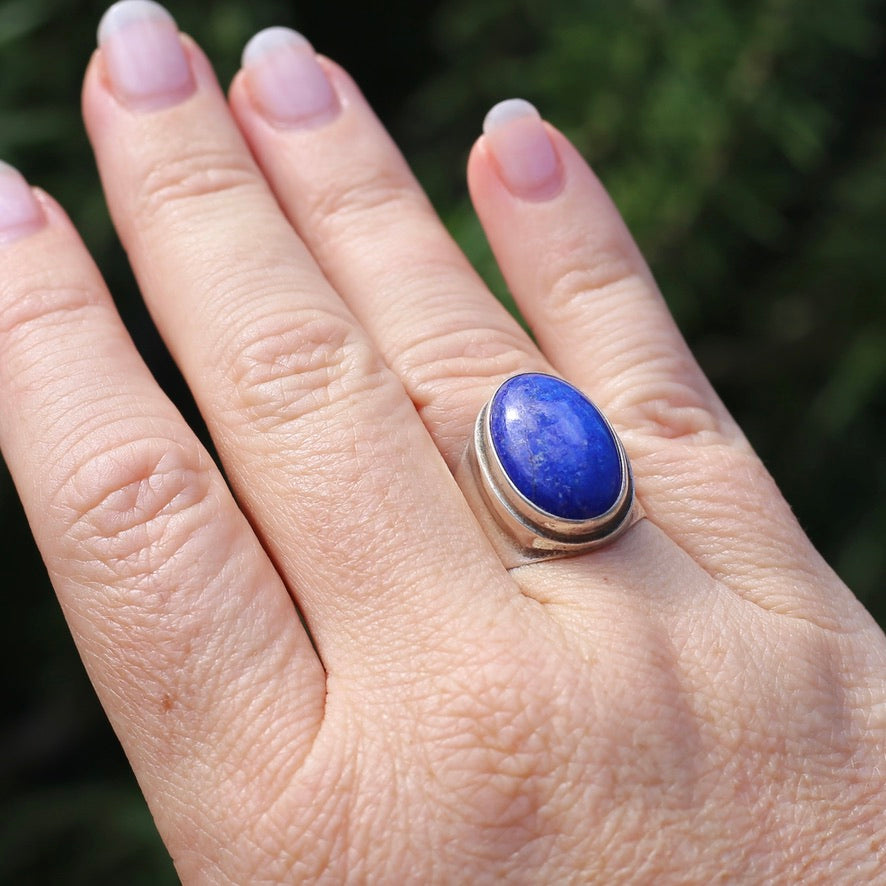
x=555 y=446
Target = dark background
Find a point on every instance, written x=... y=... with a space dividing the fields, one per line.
x=745 y=142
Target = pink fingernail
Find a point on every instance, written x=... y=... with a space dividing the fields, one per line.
x=523 y=152
x=144 y=56
x=20 y=213
x=285 y=80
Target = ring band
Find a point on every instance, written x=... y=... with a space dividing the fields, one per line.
x=545 y=473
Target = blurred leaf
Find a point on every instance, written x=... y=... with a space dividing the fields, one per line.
x=18 y=18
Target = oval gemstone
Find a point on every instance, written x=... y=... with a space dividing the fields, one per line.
x=555 y=446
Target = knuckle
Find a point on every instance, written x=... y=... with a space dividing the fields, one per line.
x=444 y=364
x=575 y=274
x=493 y=706
x=132 y=508
x=653 y=387
x=451 y=373
x=669 y=413
x=37 y=303
x=369 y=192
x=496 y=737
x=655 y=401
x=287 y=366
x=198 y=173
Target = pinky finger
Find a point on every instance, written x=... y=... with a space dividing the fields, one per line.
x=583 y=286
x=187 y=631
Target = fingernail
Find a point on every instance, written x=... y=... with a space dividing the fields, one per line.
x=523 y=152
x=285 y=80
x=144 y=56
x=20 y=213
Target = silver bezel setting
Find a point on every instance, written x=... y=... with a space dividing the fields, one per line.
x=541 y=534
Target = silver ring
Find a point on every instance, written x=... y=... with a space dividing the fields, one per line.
x=545 y=473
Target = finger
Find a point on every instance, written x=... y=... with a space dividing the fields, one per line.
x=582 y=282
x=585 y=290
x=323 y=448
x=352 y=198
x=188 y=634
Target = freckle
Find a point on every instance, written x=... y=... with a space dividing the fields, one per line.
x=166 y=703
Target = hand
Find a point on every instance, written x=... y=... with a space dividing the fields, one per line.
x=701 y=700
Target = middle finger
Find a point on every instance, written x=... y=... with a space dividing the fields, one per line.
x=354 y=201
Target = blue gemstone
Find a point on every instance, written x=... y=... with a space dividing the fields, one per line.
x=555 y=446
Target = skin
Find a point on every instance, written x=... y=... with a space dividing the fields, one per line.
x=702 y=701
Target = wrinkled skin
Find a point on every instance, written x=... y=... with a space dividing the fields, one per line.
x=702 y=701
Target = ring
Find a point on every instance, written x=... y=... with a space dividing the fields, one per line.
x=545 y=473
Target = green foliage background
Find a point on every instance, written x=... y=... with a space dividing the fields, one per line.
x=744 y=140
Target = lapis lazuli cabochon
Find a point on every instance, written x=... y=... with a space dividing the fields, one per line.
x=555 y=446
